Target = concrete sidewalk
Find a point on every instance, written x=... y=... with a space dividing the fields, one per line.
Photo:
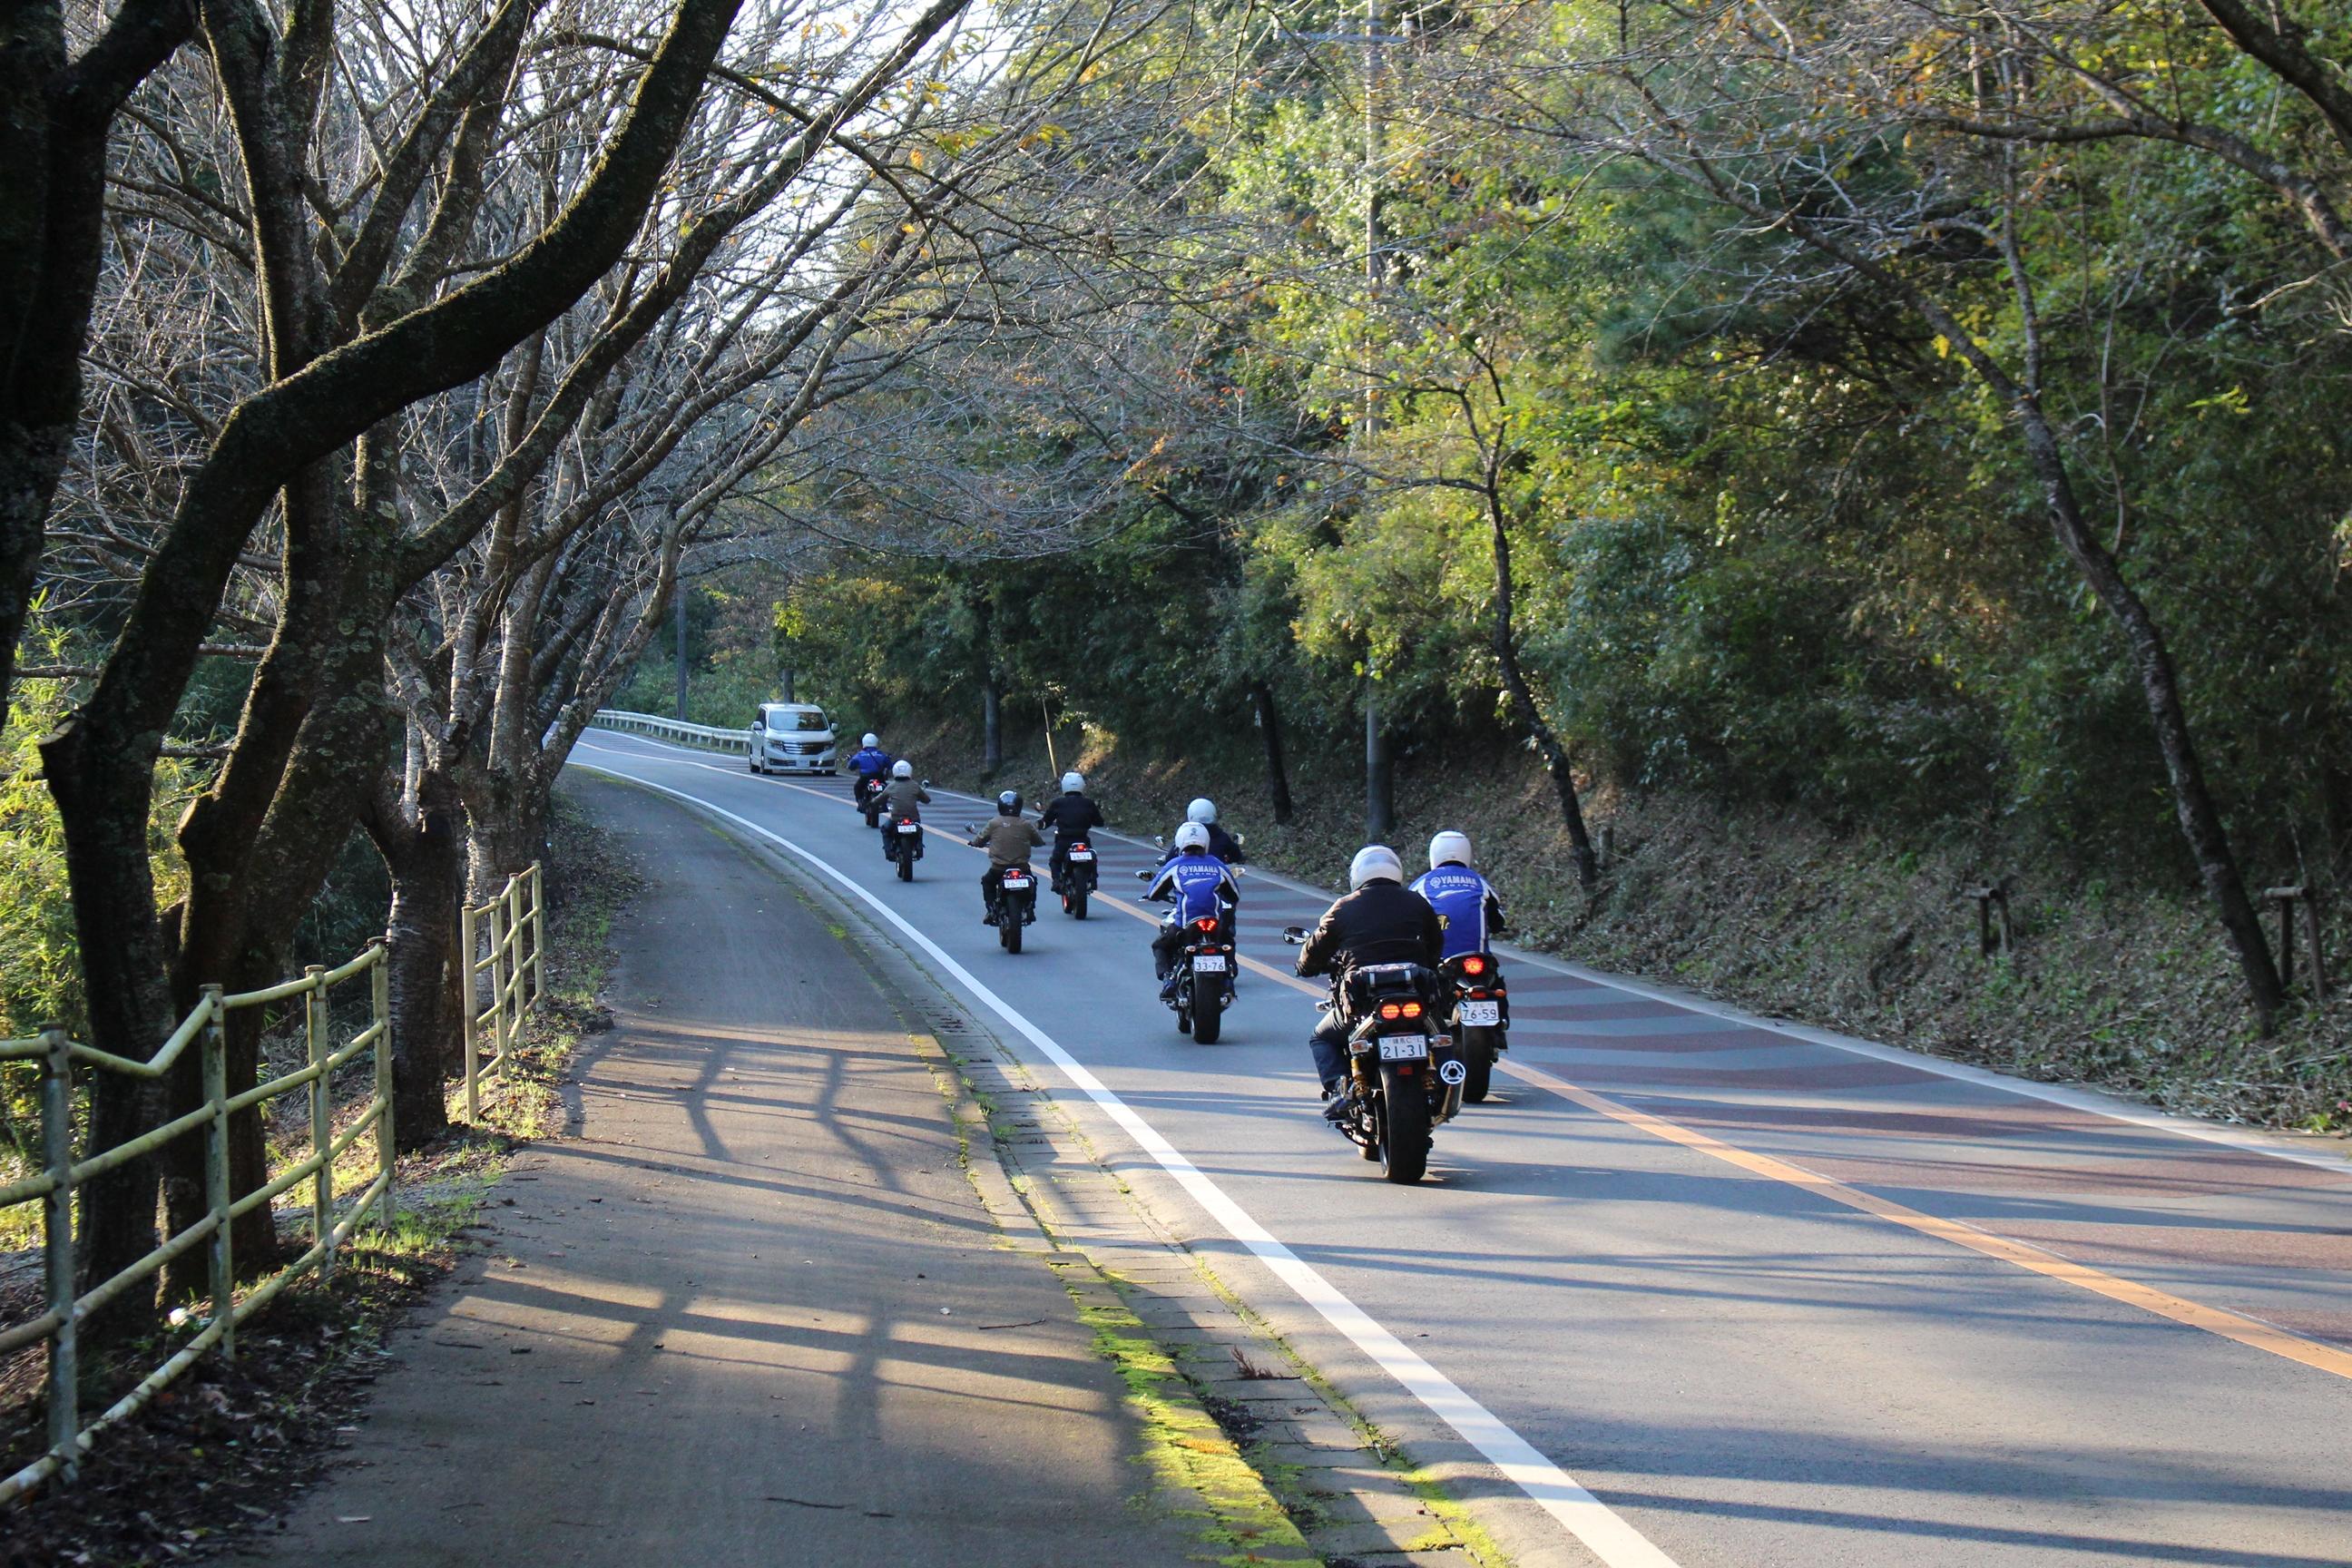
x=753 y=1312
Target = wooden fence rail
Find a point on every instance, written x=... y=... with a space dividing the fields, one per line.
x=53 y=1187
x=505 y=975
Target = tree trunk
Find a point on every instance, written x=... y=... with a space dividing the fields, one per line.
x=1277 y=776
x=1380 y=772
x=992 y=727
x=1522 y=698
x=101 y=795
x=423 y=844
x=2192 y=799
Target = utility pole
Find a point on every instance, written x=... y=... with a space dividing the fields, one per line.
x=1380 y=774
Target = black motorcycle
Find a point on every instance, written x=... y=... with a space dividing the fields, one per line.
x=1205 y=967
x=903 y=841
x=1077 y=878
x=1480 y=1016
x=869 y=798
x=1013 y=900
x=1404 y=1076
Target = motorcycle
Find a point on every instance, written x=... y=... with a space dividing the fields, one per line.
x=869 y=798
x=1405 y=1075
x=1480 y=1016
x=1077 y=878
x=905 y=842
x=1013 y=900
x=1204 y=976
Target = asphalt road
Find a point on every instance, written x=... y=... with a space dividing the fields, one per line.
x=1704 y=1289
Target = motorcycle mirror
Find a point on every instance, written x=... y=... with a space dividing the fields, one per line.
x=1158 y=842
x=1143 y=876
x=926 y=784
x=1294 y=935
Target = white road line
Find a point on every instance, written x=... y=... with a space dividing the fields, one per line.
x=1601 y=1530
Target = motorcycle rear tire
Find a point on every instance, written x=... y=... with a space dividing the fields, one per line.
x=1008 y=930
x=905 y=864
x=1403 y=1128
x=1208 y=1019
x=1075 y=901
x=1478 y=1063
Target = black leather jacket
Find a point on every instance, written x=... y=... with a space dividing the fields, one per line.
x=1380 y=923
x=1070 y=817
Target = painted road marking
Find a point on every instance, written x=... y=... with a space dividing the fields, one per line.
x=1601 y=1530
x=2234 y=1326
x=2245 y=1330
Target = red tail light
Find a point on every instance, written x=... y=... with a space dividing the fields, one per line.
x=1206 y=922
x=1390 y=1010
x=1475 y=964
x=1412 y=1009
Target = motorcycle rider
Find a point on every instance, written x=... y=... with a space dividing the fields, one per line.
x=1222 y=844
x=868 y=763
x=1380 y=921
x=900 y=797
x=1471 y=912
x=1008 y=837
x=1072 y=817
x=1200 y=885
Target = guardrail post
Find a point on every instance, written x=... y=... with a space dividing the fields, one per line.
x=212 y=1051
x=57 y=1246
x=467 y=939
x=538 y=931
x=501 y=964
x=387 y=1147
x=322 y=1119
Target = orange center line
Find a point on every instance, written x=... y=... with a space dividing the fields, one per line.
x=2245 y=1330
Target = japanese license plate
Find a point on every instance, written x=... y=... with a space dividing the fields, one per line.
x=1476 y=1014
x=910 y=827
x=1403 y=1049
x=1082 y=855
x=1208 y=963
x=1015 y=884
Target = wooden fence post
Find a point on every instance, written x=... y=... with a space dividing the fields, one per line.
x=57 y=1246
x=322 y=1119
x=214 y=1056
x=467 y=938
x=387 y=1146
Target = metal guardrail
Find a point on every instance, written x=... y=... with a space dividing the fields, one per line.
x=515 y=922
x=61 y=1173
x=662 y=729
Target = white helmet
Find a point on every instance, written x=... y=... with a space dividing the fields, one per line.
x=1202 y=811
x=1072 y=784
x=1374 y=863
x=1449 y=846
x=871 y=741
x=1192 y=836
x=902 y=769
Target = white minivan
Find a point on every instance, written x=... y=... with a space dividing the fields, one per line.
x=792 y=738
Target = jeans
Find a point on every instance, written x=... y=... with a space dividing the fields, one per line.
x=1329 y=1044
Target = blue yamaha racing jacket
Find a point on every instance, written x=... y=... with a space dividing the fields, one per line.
x=1473 y=913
